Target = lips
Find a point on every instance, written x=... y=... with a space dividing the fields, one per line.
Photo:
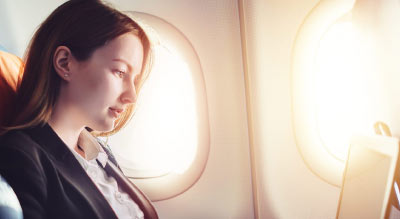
x=116 y=111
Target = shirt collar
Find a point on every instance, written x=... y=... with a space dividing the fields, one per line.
x=52 y=143
x=92 y=148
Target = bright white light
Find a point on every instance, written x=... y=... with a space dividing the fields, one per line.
x=341 y=92
x=162 y=136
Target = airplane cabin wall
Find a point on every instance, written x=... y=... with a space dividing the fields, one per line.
x=286 y=187
x=20 y=19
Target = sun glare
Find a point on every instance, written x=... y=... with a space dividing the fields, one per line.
x=162 y=136
x=340 y=88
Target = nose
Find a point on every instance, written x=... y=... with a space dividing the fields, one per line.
x=129 y=95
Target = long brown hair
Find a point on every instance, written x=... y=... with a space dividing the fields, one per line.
x=82 y=26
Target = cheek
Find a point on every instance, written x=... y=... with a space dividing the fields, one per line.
x=105 y=91
x=88 y=92
x=96 y=91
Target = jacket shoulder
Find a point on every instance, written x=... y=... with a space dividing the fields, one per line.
x=20 y=140
x=21 y=166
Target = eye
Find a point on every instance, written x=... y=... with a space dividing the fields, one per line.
x=120 y=73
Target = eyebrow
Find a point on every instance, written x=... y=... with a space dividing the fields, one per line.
x=125 y=62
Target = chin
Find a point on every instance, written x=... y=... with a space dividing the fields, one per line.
x=105 y=126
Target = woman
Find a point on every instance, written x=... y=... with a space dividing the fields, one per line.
x=84 y=68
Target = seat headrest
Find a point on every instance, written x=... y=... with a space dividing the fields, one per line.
x=11 y=69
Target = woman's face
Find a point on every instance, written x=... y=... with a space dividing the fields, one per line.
x=101 y=87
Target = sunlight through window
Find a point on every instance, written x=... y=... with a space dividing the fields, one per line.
x=341 y=88
x=162 y=136
x=335 y=74
x=165 y=147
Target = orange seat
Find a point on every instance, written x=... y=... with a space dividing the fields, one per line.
x=11 y=69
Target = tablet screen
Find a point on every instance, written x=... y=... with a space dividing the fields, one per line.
x=368 y=179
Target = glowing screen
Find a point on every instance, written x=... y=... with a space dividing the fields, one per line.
x=367 y=182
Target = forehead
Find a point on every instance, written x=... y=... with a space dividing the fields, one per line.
x=126 y=47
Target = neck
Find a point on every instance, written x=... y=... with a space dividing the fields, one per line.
x=63 y=123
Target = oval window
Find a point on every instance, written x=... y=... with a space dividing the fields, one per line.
x=165 y=146
x=344 y=80
x=312 y=93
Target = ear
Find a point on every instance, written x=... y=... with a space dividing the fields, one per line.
x=62 y=61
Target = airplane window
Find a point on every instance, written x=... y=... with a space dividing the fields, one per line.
x=322 y=60
x=162 y=136
x=335 y=67
x=343 y=79
x=165 y=146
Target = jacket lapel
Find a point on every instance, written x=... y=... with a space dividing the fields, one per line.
x=73 y=172
x=112 y=169
x=70 y=169
x=137 y=196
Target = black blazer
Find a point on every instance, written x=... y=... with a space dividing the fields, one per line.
x=50 y=183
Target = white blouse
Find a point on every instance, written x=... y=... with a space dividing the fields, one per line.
x=120 y=201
